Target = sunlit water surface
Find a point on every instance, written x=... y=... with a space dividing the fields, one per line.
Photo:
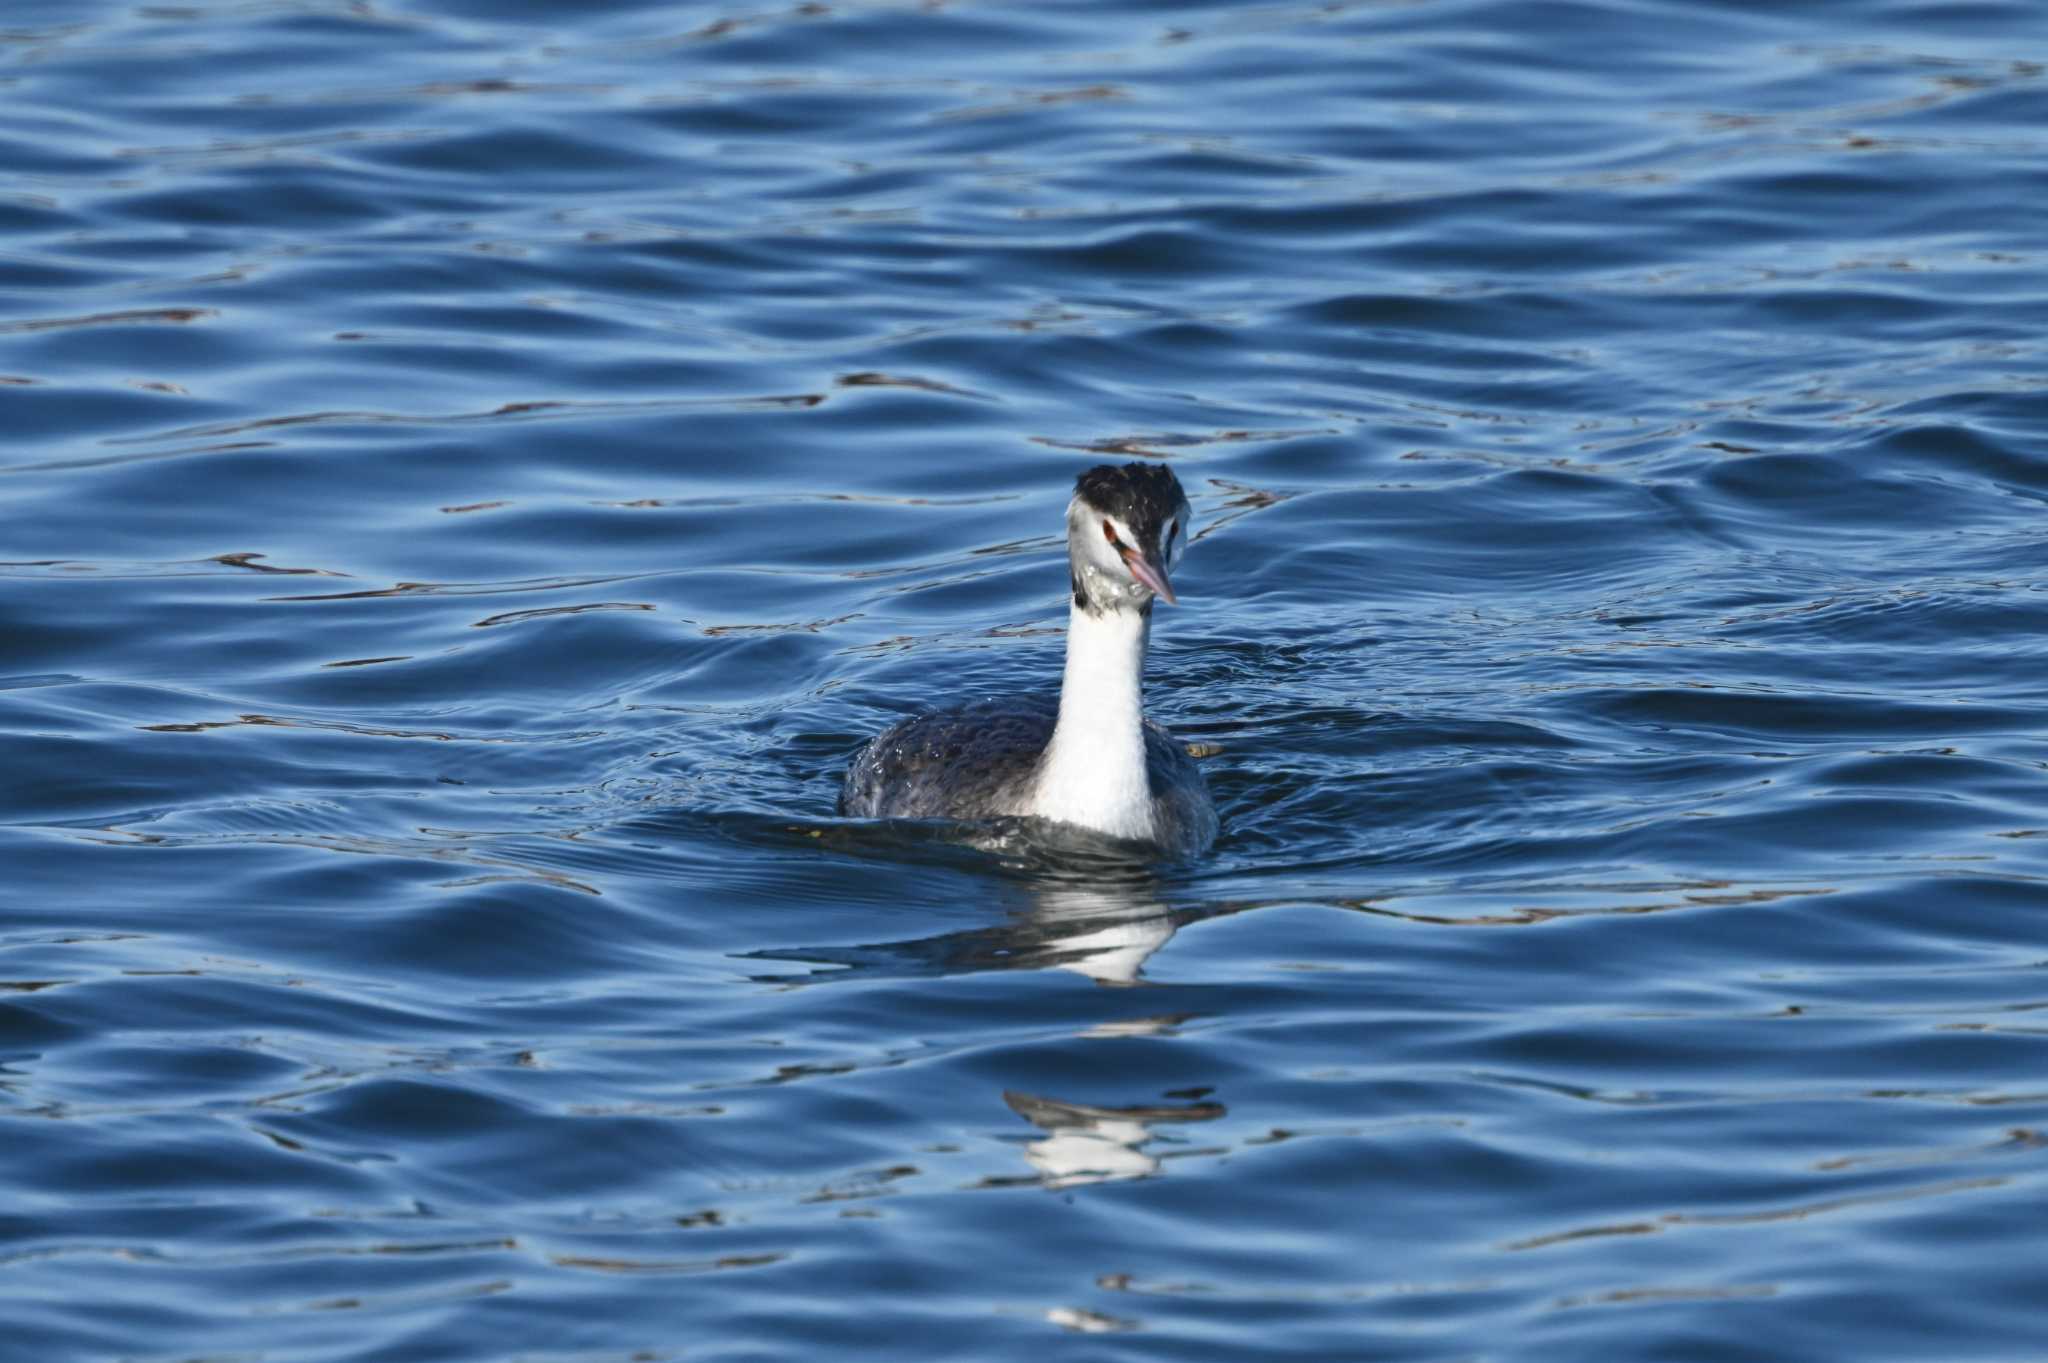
x=473 y=470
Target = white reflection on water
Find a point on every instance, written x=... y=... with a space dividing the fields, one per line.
x=1088 y=1144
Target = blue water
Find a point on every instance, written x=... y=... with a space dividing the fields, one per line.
x=473 y=470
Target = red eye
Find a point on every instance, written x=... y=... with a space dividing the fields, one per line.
x=1109 y=533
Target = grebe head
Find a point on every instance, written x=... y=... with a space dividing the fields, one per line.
x=1126 y=529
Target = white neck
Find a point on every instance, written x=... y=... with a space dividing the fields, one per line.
x=1093 y=773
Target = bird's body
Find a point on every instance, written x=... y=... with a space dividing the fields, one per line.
x=1091 y=759
x=982 y=761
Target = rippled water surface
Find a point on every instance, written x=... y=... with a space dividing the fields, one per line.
x=473 y=470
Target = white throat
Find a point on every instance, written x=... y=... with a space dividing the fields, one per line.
x=1093 y=773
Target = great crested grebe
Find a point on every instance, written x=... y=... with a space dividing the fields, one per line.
x=1093 y=760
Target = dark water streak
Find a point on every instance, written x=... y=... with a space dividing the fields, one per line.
x=474 y=470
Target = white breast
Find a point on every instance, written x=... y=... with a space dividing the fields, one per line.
x=1093 y=773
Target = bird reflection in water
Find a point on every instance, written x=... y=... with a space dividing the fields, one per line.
x=1105 y=929
x=1085 y=1144
x=1099 y=933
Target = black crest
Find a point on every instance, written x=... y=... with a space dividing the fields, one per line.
x=1142 y=496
